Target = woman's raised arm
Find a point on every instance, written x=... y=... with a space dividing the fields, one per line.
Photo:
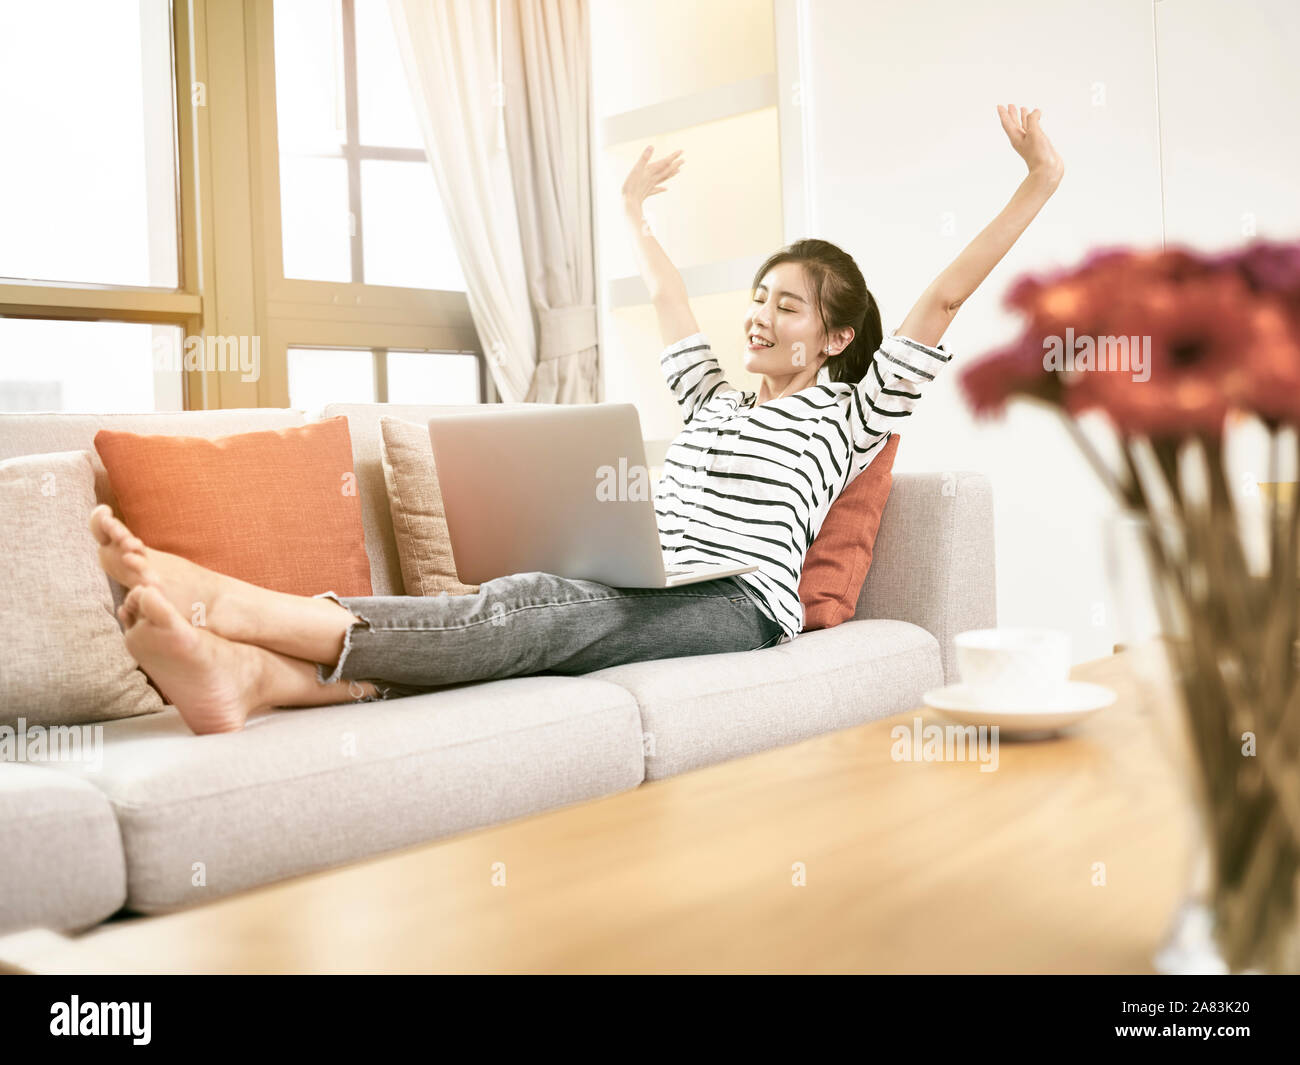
x=930 y=317
x=667 y=289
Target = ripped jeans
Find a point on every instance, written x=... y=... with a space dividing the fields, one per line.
x=529 y=623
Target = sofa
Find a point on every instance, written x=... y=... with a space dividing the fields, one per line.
x=172 y=820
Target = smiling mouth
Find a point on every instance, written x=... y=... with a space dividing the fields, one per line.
x=756 y=341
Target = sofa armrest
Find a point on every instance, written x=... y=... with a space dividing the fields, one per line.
x=933 y=563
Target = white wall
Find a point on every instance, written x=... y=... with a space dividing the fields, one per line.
x=697 y=76
x=908 y=162
x=1229 y=84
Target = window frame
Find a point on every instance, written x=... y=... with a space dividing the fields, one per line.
x=230 y=270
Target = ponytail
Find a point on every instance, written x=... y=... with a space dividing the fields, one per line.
x=852 y=364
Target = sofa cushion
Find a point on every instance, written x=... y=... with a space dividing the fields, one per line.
x=65 y=661
x=419 y=520
x=700 y=710
x=277 y=508
x=836 y=564
x=300 y=790
x=62 y=865
x=934 y=560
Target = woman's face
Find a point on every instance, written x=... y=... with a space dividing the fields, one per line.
x=781 y=311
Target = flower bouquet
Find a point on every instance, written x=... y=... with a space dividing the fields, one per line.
x=1172 y=346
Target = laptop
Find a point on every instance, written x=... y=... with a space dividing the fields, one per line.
x=554 y=488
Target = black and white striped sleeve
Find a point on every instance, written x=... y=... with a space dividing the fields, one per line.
x=693 y=373
x=889 y=392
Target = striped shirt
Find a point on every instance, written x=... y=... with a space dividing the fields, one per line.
x=752 y=484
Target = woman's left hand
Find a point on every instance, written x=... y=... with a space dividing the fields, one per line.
x=1031 y=143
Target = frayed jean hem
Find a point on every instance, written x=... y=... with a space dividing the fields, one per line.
x=382 y=691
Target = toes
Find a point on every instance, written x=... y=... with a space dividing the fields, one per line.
x=155 y=608
x=98 y=527
x=137 y=566
x=129 y=611
x=120 y=533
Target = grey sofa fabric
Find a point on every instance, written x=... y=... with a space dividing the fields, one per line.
x=61 y=860
x=711 y=708
x=297 y=791
x=934 y=560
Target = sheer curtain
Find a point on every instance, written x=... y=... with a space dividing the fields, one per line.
x=502 y=94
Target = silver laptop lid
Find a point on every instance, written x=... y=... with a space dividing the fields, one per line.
x=551 y=488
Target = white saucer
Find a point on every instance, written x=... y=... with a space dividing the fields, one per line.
x=1076 y=700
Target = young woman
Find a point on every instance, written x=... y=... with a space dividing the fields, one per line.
x=750 y=478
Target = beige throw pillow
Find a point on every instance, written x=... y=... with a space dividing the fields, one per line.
x=419 y=520
x=64 y=660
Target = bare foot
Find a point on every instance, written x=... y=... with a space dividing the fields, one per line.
x=201 y=595
x=307 y=628
x=214 y=683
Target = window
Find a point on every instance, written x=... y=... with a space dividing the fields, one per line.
x=416 y=377
x=93 y=367
x=90 y=267
x=87 y=106
x=318 y=376
x=171 y=180
x=368 y=296
x=359 y=200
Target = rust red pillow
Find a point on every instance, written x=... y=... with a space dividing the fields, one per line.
x=836 y=565
x=278 y=508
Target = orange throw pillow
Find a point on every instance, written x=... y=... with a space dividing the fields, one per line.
x=278 y=508
x=836 y=565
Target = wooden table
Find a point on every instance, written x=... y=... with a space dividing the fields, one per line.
x=1070 y=857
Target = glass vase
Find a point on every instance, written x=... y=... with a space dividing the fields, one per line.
x=1214 y=696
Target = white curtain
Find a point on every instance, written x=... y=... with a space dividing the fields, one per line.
x=501 y=90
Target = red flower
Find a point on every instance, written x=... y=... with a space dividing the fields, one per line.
x=1272 y=347
x=1013 y=370
x=1272 y=268
x=1197 y=331
x=1203 y=335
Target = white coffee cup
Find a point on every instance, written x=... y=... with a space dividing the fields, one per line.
x=1014 y=666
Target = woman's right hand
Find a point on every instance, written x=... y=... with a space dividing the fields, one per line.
x=646 y=176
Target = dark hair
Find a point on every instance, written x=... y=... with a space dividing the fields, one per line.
x=840 y=298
